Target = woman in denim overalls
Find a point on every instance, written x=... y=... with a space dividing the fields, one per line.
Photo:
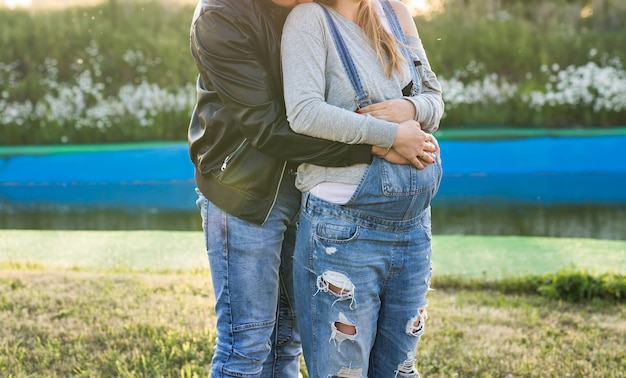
x=362 y=263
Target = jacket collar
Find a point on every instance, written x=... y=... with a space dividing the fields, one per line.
x=276 y=11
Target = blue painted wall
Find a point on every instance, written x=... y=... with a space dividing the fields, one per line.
x=538 y=170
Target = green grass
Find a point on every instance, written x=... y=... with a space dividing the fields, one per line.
x=140 y=304
x=162 y=251
x=63 y=323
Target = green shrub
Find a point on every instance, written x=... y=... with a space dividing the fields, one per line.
x=580 y=285
x=122 y=72
x=569 y=285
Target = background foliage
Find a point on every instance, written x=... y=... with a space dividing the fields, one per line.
x=121 y=71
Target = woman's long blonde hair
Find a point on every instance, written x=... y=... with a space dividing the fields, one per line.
x=382 y=41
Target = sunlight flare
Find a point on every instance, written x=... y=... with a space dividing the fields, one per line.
x=12 y=4
x=424 y=7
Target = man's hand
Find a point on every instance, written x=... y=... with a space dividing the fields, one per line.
x=396 y=110
x=390 y=155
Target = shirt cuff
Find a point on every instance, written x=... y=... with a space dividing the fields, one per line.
x=414 y=102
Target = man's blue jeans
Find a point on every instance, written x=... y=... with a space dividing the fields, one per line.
x=251 y=269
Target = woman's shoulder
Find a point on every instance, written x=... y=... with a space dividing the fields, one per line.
x=398 y=6
x=306 y=10
x=305 y=16
x=404 y=16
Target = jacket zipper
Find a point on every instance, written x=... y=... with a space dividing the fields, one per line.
x=230 y=156
x=282 y=174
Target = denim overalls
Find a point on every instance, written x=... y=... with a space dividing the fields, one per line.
x=362 y=271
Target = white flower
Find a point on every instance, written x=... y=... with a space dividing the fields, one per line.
x=83 y=103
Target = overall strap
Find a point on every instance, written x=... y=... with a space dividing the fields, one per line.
x=361 y=96
x=396 y=29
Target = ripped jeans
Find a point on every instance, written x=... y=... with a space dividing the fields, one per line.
x=362 y=271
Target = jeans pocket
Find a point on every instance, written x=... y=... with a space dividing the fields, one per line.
x=406 y=180
x=336 y=231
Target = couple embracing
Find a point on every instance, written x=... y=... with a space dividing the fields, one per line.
x=315 y=167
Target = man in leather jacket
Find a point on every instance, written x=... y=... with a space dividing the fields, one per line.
x=244 y=155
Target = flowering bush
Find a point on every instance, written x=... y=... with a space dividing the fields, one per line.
x=599 y=87
x=593 y=94
x=81 y=111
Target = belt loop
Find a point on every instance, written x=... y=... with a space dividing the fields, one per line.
x=305 y=200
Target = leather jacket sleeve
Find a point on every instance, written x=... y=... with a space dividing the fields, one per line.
x=239 y=61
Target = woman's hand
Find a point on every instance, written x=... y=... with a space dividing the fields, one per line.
x=412 y=145
x=396 y=110
x=415 y=145
x=437 y=152
x=435 y=142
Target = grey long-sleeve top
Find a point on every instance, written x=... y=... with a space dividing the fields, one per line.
x=319 y=96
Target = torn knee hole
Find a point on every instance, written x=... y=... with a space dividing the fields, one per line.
x=337 y=283
x=415 y=325
x=407 y=367
x=345 y=372
x=346 y=329
x=342 y=330
x=337 y=289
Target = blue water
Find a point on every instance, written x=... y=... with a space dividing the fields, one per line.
x=494 y=184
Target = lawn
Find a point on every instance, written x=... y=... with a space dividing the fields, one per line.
x=139 y=304
x=159 y=251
